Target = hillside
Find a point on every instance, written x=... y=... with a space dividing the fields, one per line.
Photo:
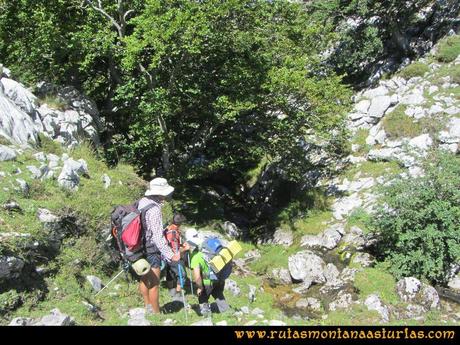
x=319 y=268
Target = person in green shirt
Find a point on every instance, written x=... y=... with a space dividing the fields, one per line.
x=201 y=276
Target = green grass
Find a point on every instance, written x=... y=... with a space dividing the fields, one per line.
x=373 y=169
x=398 y=125
x=449 y=49
x=49 y=146
x=313 y=224
x=54 y=102
x=360 y=139
x=377 y=281
x=360 y=218
x=272 y=256
x=416 y=69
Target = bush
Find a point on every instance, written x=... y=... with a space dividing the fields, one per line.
x=398 y=125
x=419 y=221
x=449 y=49
x=416 y=69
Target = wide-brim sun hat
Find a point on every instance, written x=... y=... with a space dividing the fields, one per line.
x=193 y=237
x=159 y=186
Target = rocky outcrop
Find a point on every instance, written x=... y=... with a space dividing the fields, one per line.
x=22 y=117
x=411 y=290
x=373 y=302
x=306 y=266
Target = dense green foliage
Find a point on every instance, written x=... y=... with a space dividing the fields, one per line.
x=192 y=90
x=449 y=49
x=372 y=30
x=419 y=225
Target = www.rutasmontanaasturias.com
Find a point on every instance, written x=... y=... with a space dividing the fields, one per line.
x=405 y=333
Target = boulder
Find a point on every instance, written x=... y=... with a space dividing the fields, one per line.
x=15 y=125
x=283 y=237
x=303 y=287
x=22 y=97
x=276 y=323
x=363 y=106
x=95 y=282
x=139 y=322
x=231 y=230
x=331 y=273
x=373 y=302
x=376 y=92
x=307 y=266
x=416 y=112
x=309 y=303
x=362 y=259
x=330 y=238
x=10 y=267
x=454 y=283
x=344 y=206
x=354 y=238
x=310 y=241
x=23 y=187
x=411 y=290
x=422 y=142
x=343 y=301
x=68 y=178
x=379 y=106
x=21 y=321
x=232 y=286
x=36 y=173
x=7 y=154
x=106 y=180
x=282 y=275
x=56 y=318
x=45 y=216
x=454 y=127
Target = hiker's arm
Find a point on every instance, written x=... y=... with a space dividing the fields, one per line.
x=197 y=279
x=155 y=227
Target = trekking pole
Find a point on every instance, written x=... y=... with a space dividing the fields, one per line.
x=191 y=273
x=182 y=285
x=110 y=281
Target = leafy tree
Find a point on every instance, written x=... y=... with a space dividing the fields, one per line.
x=419 y=221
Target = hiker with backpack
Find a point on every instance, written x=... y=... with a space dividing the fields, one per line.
x=207 y=283
x=138 y=230
x=173 y=237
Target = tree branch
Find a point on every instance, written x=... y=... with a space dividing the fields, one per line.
x=99 y=9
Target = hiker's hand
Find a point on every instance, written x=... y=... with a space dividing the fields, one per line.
x=176 y=257
x=198 y=291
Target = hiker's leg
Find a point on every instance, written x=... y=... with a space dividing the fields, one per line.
x=144 y=292
x=218 y=294
x=154 y=281
x=154 y=291
x=145 y=285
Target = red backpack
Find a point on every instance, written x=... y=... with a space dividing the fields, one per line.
x=128 y=229
x=172 y=234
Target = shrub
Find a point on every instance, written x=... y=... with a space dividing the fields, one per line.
x=49 y=145
x=398 y=125
x=416 y=69
x=449 y=49
x=419 y=220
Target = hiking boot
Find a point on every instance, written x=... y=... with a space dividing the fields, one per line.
x=205 y=309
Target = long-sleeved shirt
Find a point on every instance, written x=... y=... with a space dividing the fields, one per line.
x=154 y=231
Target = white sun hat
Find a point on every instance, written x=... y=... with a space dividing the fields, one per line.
x=193 y=237
x=159 y=186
